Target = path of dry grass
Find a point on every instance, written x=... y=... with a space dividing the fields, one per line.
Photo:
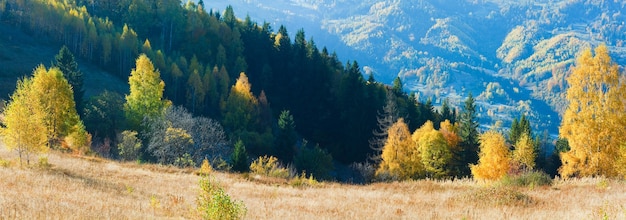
x=82 y=188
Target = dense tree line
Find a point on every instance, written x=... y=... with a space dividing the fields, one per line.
x=201 y=54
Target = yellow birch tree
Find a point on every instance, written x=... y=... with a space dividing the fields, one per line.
x=400 y=158
x=433 y=149
x=494 y=161
x=56 y=98
x=595 y=118
x=524 y=153
x=24 y=131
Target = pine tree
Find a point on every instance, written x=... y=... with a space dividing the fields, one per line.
x=146 y=93
x=24 y=131
x=66 y=62
x=286 y=140
x=239 y=158
x=594 y=120
x=468 y=132
x=494 y=159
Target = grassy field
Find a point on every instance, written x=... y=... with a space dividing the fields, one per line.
x=76 y=187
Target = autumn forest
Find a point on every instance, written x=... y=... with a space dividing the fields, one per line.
x=210 y=91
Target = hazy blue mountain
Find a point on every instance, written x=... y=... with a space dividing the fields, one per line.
x=512 y=55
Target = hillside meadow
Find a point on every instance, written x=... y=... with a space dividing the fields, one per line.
x=77 y=187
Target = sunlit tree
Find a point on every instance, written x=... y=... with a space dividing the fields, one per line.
x=494 y=161
x=146 y=92
x=433 y=149
x=24 y=131
x=524 y=153
x=595 y=118
x=400 y=157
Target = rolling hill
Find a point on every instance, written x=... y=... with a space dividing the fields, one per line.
x=513 y=55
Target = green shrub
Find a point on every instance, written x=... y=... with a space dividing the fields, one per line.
x=129 y=145
x=315 y=161
x=269 y=166
x=214 y=203
x=43 y=163
x=532 y=179
x=184 y=161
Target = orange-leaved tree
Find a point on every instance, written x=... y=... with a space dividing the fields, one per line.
x=595 y=118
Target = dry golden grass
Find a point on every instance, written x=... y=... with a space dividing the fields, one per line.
x=92 y=188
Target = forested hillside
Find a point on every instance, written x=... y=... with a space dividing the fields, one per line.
x=514 y=55
x=208 y=89
x=244 y=74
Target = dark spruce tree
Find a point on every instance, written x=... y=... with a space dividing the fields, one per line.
x=65 y=61
x=286 y=139
x=239 y=158
x=468 y=132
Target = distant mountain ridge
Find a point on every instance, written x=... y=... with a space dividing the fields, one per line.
x=514 y=56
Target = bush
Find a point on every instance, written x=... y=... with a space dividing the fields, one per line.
x=315 y=161
x=269 y=166
x=302 y=180
x=532 y=179
x=366 y=171
x=43 y=163
x=129 y=146
x=214 y=203
x=205 y=168
x=184 y=161
x=498 y=196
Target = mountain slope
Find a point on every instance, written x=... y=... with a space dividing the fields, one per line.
x=20 y=54
x=521 y=49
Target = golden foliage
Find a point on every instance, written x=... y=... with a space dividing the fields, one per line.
x=24 y=129
x=205 y=168
x=400 y=156
x=433 y=149
x=595 y=118
x=240 y=108
x=269 y=166
x=494 y=160
x=146 y=92
x=54 y=95
x=524 y=153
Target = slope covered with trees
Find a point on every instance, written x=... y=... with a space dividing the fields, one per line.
x=203 y=80
x=211 y=63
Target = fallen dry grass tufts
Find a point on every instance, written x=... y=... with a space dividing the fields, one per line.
x=497 y=196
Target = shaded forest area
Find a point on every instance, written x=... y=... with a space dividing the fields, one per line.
x=201 y=54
